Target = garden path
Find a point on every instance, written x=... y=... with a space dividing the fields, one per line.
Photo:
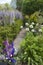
x=19 y=38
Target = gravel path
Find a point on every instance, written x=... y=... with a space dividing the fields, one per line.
x=19 y=38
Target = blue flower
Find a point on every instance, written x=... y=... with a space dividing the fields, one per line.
x=9 y=51
x=12 y=44
x=13 y=50
x=13 y=60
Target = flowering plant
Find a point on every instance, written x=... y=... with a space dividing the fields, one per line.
x=8 y=52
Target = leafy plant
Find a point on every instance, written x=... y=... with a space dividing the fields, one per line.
x=31 y=50
x=10 y=31
x=37 y=17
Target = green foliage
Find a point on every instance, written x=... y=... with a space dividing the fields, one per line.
x=37 y=17
x=30 y=6
x=10 y=31
x=19 y=4
x=1 y=8
x=31 y=50
x=7 y=6
x=34 y=17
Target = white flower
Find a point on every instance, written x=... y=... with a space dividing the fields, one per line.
x=27 y=29
x=21 y=27
x=40 y=30
x=6 y=58
x=9 y=60
x=32 y=30
x=11 y=55
x=26 y=24
x=31 y=26
x=33 y=23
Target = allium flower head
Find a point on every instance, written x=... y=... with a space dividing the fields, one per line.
x=21 y=27
x=26 y=24
x=31 y=26
x=32 y=30
x=27 y=29
x=40 y=30
x=33 y=23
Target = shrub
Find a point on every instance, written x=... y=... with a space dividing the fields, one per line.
x=31 y=50
x=10 y=31
x=36 y=17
